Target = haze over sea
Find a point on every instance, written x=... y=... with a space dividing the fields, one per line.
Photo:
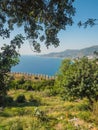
x=38 y=65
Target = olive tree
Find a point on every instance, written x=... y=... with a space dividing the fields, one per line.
x=79 y=79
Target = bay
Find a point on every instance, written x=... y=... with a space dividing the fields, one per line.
x=38 y=65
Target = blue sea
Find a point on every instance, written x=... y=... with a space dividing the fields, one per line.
x=38 y=65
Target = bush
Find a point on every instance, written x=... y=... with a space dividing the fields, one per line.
x=29 y=88
x=13 y=84
x=42 y=85
x=22 y=80
x=21 y=99
x=27 y=85
x=79 y=78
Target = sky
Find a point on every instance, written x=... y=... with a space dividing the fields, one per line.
x=73 y=37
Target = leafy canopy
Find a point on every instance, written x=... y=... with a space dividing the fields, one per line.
x=41 y=19
x=79 y=79
x=9 y=57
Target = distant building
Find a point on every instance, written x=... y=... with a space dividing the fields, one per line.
x=90 y=57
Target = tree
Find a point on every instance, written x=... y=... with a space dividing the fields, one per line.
x=41 y=19
x=79 y=79
x=90 y=22
x=8 y=58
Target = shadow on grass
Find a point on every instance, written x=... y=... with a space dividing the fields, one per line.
x=17 y=105
x=18 y=109
x=4 y=114
x=24 y=104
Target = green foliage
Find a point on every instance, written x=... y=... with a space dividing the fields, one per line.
x=40 y=20
x=31 y=85
x=28 y=87
x=9 y=57
x=43 y=84
x=21 y=98
x=90 y=22
x=53 y=113
x=13 y=84
x=79 y=79
x=21 y=81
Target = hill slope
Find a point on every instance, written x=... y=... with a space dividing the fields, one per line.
x=74 y=53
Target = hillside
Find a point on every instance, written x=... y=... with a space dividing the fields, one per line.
x=42 y=111
x=41 y=108
x=74 y=53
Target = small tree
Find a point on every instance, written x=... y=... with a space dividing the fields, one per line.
x=80 y=79
x=8 y=58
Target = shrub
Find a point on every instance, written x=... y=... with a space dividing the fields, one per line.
x=79 y=78
x=29 y=88
x=42 y=85
x=13 y=84
x=21 y=81
x=21 y=99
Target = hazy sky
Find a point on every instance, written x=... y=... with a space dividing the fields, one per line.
x=73 y=37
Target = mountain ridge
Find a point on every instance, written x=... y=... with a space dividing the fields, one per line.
x=73 y=53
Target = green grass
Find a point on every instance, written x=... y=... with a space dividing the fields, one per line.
x=42 y=111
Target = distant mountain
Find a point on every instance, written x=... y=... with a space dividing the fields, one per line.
x=74 y=53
